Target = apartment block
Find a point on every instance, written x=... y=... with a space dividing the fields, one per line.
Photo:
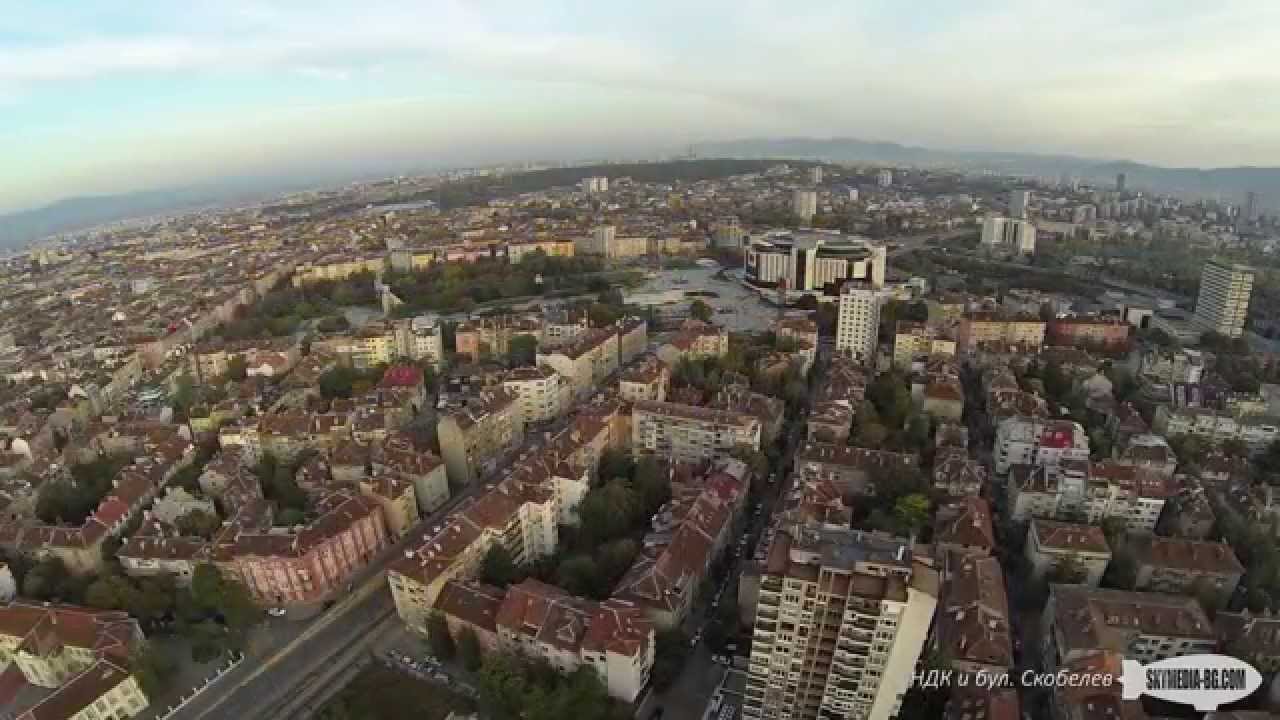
x=1079 y=621
x=972 y=626
x=916 y=341
x=858 y=322
x=1092 y=492
x=491 y=336
x=475 y=437
x=81 y=655
x=397 y=455
x=1255 y=431
x=1223 y=303
x=1035 y=441
x=852 y=470
x=516 y=251
x=645 y=379
x=1178 y=565
x=586 y=361
x=544 y=393
x=685 y=433
x=1050 y=544
x=840 y=621
x=980 y=329
x=1107 y=335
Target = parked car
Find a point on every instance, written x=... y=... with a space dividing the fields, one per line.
x=277 y=612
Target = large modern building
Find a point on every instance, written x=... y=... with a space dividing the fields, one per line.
x=1011 y=234
x=1223 y=304
x=476 y=436
x=685 y=433
x=1019 y=202
x=804 y=204
x=858 y=324
x=840 y=620
x=811 y=262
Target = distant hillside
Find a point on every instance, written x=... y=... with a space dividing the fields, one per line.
x=1230 y=183
x=80 y=212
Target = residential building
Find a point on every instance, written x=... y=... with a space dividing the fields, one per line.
x=645 y=379
x=1052 y=544
x=963 y=526
x=594 y=185
x=312 y=564
x=979 y=329
x=1223 y=303
x=1079 y=621
x=613 y=638
x=858 y=322
x=696 y=339
x=633 y=339
x=852 y=470
x=1035 y=441
x=491 y=336
x=1255 y=431
x=544 y=393
x=804 y=205
x=685 y=433
x=1019 y=203
x=420 y=338
x=810 y=262
x=399 y=456
x=1190 y=567
x=476 y=437
x=1106 y=335
x=1091 y=492
x=562 y=324
x=83 y=656
x=915 y=341
x=685 y=540
x=972 y=626
x=336 y=268
x=956 y=474
x=585 y=361
x=769 y=410
x=884 y=178
x=1009 y=234
x=551 y=247
x=841 y=618
x=1254 y=638
x=395 y=495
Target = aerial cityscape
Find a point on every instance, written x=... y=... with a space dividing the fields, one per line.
x=744 y=423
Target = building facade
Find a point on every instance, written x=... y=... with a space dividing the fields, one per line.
x=1223 y=303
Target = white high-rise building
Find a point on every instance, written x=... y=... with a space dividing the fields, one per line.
x=1019 y=202
x=815 y=175
x=841 y=618
x=601 y=241
x=804 y=203
x=1010 y=234
x=595 y=184
x=859 y=321
x=853 y=194
x=884 y=178
x=1223 y=304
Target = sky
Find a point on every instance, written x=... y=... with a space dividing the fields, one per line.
x=106 y=96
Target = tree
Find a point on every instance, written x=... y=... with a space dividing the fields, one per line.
x=153 y=669
x=442 y=645
x=652 y=484
x=580 y=575
x=670 y=653
x=183 y=394
x=498 y=567
x=469 y=649
x=1067 y=571
x=338 y=382
x=198 y=523
x=615 y=463
x=700 y=310
x=522 y=350
x=911 y=512
x=237 y=368
x=891 y=398
x=601 y=315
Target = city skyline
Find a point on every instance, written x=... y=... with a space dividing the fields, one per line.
x=98 y=100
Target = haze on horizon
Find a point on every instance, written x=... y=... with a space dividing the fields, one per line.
x=112 y=97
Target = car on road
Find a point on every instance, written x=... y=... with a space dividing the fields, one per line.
x=277 y=612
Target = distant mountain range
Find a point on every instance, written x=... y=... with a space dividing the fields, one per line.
x=76 y=213
x=19 y=228
x=1230 y=183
